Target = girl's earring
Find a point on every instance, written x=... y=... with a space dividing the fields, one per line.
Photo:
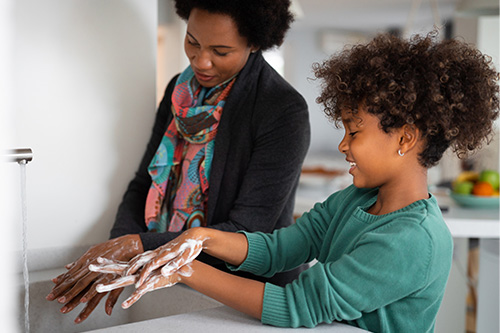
x=400 y=153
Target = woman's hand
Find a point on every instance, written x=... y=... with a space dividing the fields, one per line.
x=78 y=284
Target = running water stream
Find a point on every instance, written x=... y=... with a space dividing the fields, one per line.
x=24 y=210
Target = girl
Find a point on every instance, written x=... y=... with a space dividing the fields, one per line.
x=383 y=250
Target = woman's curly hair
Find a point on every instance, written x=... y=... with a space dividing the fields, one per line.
x=263 y=22
x=448 y=90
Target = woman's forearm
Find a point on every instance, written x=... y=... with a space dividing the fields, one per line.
x=239 y=293
x=227 y=246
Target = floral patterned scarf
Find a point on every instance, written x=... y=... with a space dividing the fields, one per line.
x=180 y=169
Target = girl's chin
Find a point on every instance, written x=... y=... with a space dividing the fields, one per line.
x=360 y=184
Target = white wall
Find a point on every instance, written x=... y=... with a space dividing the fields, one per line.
x=7 y=310
x=301 y=49
x=84 y=101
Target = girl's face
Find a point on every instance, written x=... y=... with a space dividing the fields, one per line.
x=372 y=153
x=215 y=49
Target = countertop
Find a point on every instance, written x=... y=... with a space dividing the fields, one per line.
x=219 y=319
x=469 y=222
x=462 y=222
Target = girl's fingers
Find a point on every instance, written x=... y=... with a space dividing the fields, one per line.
x=118 y=283
x=132 y=299
x=154 y=281
x=154 y=264
x=139 y=261
x=110 y=267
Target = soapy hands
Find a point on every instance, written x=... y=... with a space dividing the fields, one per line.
x=156 y=280
x=152 y=270
x=78 y=284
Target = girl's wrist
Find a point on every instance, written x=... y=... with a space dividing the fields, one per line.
x=185 y=272
x=202 y=234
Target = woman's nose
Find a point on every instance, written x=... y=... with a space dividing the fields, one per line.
x=202 y=60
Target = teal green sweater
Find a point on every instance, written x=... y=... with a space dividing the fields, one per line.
x=382 y=273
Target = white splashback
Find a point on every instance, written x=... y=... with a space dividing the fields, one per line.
x=84 y=100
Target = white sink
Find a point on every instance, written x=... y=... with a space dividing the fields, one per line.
x=45 y=315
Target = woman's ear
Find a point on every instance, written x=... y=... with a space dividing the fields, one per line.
x=254 y=49
x=408 y=138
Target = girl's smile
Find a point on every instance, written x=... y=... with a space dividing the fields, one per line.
x=353 y=165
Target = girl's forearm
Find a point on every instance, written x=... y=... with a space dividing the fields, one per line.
x=242 y=294
x=228 y=246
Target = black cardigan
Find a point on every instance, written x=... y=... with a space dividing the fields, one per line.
x=262 y=140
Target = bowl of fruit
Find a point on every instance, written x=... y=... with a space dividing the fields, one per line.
x=476 y=189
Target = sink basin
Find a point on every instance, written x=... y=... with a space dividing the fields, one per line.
x=45 y=315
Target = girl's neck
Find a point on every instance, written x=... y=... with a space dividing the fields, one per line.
x=394 y=197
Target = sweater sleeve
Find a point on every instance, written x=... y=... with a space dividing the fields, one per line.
x=380 y=269
x=285 y=248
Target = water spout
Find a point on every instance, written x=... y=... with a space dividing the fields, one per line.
x=18 y=155
x=22 y=156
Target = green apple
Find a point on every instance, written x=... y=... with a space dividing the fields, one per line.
x=490 y=176
x=464 y=187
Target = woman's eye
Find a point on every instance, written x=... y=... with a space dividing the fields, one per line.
x=220 y=53
x=352 y=133
x=192 y=43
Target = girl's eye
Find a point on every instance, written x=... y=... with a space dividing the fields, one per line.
x=192 y=43
x=352 y=133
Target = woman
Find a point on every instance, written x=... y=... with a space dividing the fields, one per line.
x=226 y=151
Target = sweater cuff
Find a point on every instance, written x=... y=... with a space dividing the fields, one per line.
x=257 y=251
x=275 y=310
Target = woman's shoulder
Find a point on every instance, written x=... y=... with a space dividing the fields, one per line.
x=272 y=85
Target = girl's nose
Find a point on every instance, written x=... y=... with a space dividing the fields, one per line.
x=343 y=145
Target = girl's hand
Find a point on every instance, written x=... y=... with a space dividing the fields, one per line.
x=171 y=256
x=114 y=268
x=155 y=280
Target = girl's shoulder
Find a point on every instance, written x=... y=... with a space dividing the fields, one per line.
x=353 y=195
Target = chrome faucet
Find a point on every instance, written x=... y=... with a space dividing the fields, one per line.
x=19 y=155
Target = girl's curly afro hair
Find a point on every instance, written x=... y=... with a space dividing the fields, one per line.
x=448 y=90
x=263 y=22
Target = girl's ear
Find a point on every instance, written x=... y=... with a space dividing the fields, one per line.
x=408 y=138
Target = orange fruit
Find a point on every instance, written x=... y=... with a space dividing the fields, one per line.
x=483 y=188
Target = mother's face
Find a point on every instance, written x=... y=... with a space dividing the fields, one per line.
x=215 y=49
